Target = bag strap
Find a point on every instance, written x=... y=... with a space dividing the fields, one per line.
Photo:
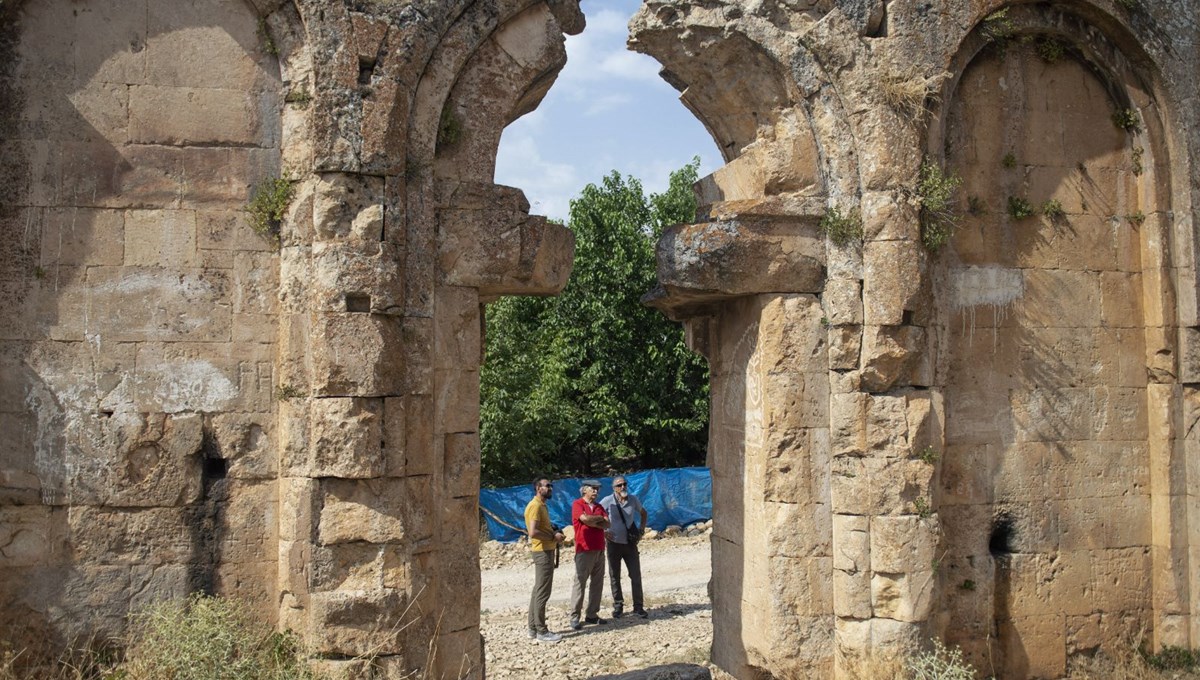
x=624 y=520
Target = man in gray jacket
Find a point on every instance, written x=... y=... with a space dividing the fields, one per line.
x=628 y=521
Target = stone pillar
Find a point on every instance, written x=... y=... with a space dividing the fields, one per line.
x=357 y=523
x=886 y=438
x=768 y=435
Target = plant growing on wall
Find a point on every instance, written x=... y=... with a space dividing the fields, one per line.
x=449 y=128
x=268 y=205
x=907 y=90
x=1054 y=210
x=1050 y=49
x=1127 y=120
x=935 y=194
x=842 y=229
x=998 y=29
x=1019 y=208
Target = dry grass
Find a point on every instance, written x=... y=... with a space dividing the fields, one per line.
x=907 y=91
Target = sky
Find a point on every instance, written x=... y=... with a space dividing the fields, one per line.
x=608 y=110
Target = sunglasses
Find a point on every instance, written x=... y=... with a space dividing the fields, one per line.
x=618 y=486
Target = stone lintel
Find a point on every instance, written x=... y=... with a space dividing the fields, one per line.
x=703 y=264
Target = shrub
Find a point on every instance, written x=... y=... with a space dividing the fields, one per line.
x=842 y=229
x=1019 y=208
x=935 y=194
x=1050 y=49
x=1054 y=210
x=268 y=205
x=1127 y=120
x=998 y=29
x=1009 y=160
x=207 y=638
x=1138 y=155
x=940 y=664
x=1137 y=218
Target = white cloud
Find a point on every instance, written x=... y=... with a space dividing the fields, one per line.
x=548 y=185
x=606 y=103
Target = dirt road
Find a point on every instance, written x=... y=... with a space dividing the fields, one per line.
x=675 y=574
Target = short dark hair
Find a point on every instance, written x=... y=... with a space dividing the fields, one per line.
x=537 y=481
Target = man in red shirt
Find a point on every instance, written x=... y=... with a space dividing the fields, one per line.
x=590 y=521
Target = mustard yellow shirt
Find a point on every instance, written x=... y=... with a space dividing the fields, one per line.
x=537 y=514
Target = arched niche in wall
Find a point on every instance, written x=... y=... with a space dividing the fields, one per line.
x=1056 y=343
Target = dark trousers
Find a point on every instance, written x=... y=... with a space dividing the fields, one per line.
x=543 y=582
x=628 y=553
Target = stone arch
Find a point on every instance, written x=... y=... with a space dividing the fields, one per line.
x=1027 y=445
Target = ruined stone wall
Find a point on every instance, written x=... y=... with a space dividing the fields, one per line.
x=1009 y=416
x=138 y=312
x=191 y=406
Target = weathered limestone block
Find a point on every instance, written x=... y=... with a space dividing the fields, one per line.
x=374 y=511
x=879 y=486
x=360 y=623
x=153 y=536
x=845 y=344
x=893 y=281
x=889 y=217
x=184 y=116
x=360 y=566
x=714 y=261
x=180 y=377
x=457 y=329
x=357 y=354
x=903 y=544
x=852 y=594
x=246 y=442
x=419 y=358
x=799 y=527
x=498 y=247
x=461 y=470
x=82 y=236
x=135 y=460
x=166 y=309
x=894 y=356
x=768 y=168
x=356 y=278
x=32 y=536
x=842 y=300
x=457 y=401
x=904 y=596
x=345 y=438
x=348 y=207
x=797 y=467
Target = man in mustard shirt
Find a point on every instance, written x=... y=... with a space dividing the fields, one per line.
x=543 y=541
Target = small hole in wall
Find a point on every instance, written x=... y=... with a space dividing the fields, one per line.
x=906 y=319
x=1003 y=532
x=366 y=68
x=358 y=302
x=105 y=414
x=215 y=468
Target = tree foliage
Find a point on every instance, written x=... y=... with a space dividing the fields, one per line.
x=592 y=381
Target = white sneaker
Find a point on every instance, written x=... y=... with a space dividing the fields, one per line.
x=548 y=637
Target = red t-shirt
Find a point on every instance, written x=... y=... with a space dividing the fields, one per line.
x=587 y=538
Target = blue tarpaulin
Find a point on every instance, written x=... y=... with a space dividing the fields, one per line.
x=680 y=496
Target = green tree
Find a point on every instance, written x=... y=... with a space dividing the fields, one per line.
x=592 y=380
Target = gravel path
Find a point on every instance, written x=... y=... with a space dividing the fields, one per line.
x=675 y=574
